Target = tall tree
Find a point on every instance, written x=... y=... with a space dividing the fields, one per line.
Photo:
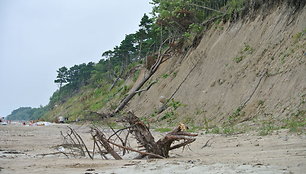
x=62 y=75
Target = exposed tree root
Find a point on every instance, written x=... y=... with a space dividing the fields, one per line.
x=111 y=145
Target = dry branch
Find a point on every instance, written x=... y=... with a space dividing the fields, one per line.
x=104 y=142
x=149 y=147
x=162 y=146
x=142 y=153
x=147 y=88
x=81 y=142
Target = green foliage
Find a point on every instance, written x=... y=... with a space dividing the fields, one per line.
x=171 y=114
x=62 y=76
x=174 y=104
x=174 y=74
x=168 y=115
x=266 y=128
x=238 y=59
x=27 y=113
x=136 y=75
x=297 y=37
x=261 y=102
x=229 y=130
x=162 y=130
x=296 y=122
x=236 y=114
x=215 y=130
x=248 y=49
x=235 y=6
x=194 y=129
x=195 y=28
x=165 y=75
x=183 y=18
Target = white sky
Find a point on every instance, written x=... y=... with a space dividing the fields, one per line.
x=39 y=36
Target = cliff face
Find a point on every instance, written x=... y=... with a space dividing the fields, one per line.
x=248 y=71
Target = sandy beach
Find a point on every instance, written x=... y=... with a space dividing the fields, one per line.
x=22 y=150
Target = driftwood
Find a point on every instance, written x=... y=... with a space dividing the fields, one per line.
x=162 y=146
x=74 y=143
x=105 y=143
x=108 y=145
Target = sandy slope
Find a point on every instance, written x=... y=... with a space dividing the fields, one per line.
x=281 y=152
x=212 y=84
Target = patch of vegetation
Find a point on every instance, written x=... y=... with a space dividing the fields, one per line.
x=206 y=124
x=175 y=104
x=27 y=113
x=298 y=36
x=215 y=130
x=238 y=59
x=248 y=49
x=296 y=122
x=153 y=114
x=283 y=57
x=266 y=128
x=174 y=74
x=261 y=102
x=165 y=75
x=171 y=114
x=188 y=120
x=235 y=6
x=162 y=130
x=136 y=75
x=236 y=114
x=229 y=130
x=114 y=125
x=168 y=115
x=194 y=129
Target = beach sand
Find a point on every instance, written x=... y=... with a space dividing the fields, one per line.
x=21 y=149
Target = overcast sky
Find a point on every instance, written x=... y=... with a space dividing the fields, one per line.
x=39 y=36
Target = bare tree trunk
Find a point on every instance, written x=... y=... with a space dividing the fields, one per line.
x=106 y=145
x=162 y=146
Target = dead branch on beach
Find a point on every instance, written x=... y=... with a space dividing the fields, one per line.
x=116 y=145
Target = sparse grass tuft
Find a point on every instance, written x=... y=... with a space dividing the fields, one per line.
x=236 y=114
x=229 y=130
x=296 y=122
x=168 y=115
x=136 y=75
x=298 y=36
x=215 y=130
x=248 y=49
x=266 y=128
x=238 y=59
x=261 y=102
x=165 y=75
x=194 y=129
x=162 y=130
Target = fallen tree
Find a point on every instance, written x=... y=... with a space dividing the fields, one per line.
x=163 y=145
x=117 y=143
